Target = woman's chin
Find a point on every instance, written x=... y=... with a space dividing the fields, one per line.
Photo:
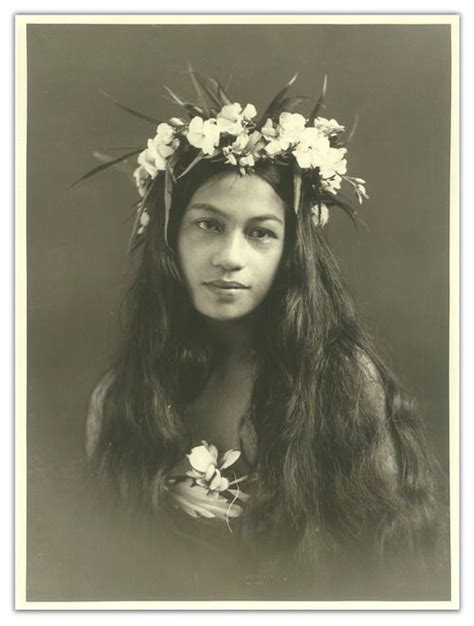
x=225 y=313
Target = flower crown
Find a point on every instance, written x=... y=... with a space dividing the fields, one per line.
x=219 y=129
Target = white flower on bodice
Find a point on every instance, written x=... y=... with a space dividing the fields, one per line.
x=205 y=491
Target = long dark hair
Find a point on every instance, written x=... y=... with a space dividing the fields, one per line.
x=342 y=462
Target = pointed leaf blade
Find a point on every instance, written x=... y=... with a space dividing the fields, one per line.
x=274 y=105
x=345 y=206
x=134 y=241
x=200 y=93
x=353 y=130
x=194 y=162
x=221 y=93
x=128 y=109
x=168 y=198
x=297 y=182
x=320 y=103
x=291 y=102
x=124 y=167
x=192 y=109
x=213 y=99
x=104 y=166
x=229 y=82
x=239 y=494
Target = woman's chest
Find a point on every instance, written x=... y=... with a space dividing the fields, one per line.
x=217 y=413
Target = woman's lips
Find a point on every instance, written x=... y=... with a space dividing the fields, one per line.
x=226 y=290
x=226 y=284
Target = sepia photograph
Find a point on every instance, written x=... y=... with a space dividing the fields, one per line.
x=237 y=376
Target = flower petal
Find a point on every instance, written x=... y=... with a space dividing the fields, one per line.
x=229 y=458
x=239 y=494
x=213 y=452
x=193 y=474
x=223 y=484
x=196 y=124
x=198 y=501
x=268 y=129
x=230 y=111
x=215 y=480
x=200 y=458
x=249 y=112
x=164 y=133
x=210 y=472
x=303 y=158
x=320 y=214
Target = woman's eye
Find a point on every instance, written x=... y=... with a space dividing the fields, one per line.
x=208 y=225
x=262 y=234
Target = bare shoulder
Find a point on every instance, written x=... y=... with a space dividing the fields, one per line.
x=95 y=413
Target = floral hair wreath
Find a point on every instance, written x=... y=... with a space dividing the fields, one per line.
x=221 y=130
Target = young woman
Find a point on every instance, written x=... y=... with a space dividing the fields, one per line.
x=248 y=413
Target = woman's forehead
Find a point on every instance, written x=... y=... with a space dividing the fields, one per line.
x=238 y=196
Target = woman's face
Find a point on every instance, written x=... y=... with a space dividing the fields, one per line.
x=230 y=243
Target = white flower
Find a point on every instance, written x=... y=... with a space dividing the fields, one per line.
x=291 y=126
x=359 y=187
x=144 y=221
x=320 y=214
x=142 y=178
x=268 y=129
x=177 y=122
x=311 y=149
x=229 y=155
x=328 y=127
x=218 y=482
x=203 y=458
x=236 y=149
x=247 y=160
x=155 y=156
x=229 y=119
x=314 y=150
x=233 y=120
x=204 y=491
x=270 y=133
x=203 y=134
x=245 y=150
x=240 y=143
x=333 y=163
x=164 y=133
x=249 y=112
x=147 y=161
x=160 y=152
x=332 y=184
x=288 y=132
x=203 y=461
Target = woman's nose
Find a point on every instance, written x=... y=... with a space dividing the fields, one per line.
x=230 y=252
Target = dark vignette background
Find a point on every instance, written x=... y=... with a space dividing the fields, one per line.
x=396 y=78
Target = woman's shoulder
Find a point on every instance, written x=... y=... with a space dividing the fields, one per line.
x=95 y=412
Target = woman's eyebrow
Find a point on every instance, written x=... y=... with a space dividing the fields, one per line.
x=213 y=209
x=207 y=207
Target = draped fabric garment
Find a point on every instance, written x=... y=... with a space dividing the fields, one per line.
x=208 y=552
x=188 y=558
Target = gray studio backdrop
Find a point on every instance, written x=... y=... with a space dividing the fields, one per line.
x=395 y=78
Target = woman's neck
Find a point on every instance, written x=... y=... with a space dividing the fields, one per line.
x=236 y=341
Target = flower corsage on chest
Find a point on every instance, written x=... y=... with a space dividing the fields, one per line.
x=210 y=488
